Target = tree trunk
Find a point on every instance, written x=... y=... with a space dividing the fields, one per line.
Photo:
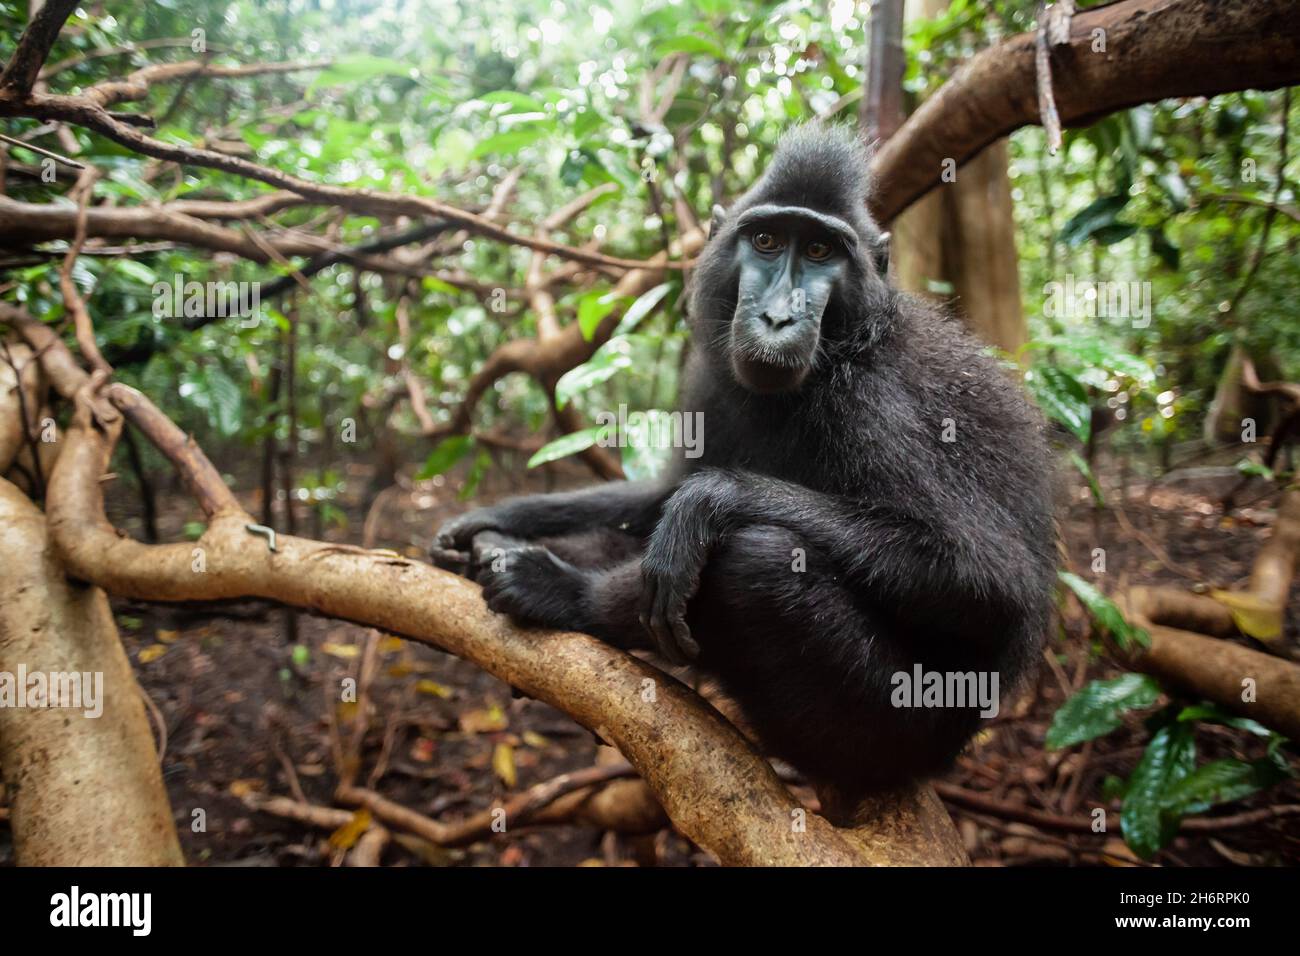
x=84 y=790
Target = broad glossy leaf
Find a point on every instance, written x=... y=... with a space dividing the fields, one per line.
x=1105 y=612
x=566 y=445
x=1098 y=708
x=1096 y=215
x=445 y=454
x=1148 y=819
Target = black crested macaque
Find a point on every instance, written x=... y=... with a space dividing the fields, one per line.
x=873 y=495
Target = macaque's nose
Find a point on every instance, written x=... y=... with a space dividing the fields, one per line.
x=776 y=318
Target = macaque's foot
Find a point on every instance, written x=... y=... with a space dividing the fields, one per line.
x=535 y=587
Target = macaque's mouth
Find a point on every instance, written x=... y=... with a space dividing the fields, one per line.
x=766 y=378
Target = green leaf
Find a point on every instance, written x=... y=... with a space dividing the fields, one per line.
x=1162 y=248
x=358 y=67
x=1062 y=398
x=690 y=43
x=516 y=101
x=136 y=271
x=511 y=142
x=482 y=462
x=434 y=284
x=1216 y=714
x=592 y=309
x=212 y=391
x=1098 y=707
x=444 y=455
x=1221 y=781
x=1256 y=469
x=1148 y=820
x=614 y=355
x=643 y=457
x=1105 y=612
x=642 y=307
x=566 y=445
x=1175 y=188
x=1098 y=214
x=1078 y=461
x=1096 y=353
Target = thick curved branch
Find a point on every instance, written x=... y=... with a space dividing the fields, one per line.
x=705 y=775
x=1153 y=49
x=1216 y=669
x=715 y=788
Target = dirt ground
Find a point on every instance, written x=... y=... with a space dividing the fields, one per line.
x=244 y=711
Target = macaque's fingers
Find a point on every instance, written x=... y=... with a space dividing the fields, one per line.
x=457 y=562
x=687 y=646
x=458 y=533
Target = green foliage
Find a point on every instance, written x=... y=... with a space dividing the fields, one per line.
x=1099 y=707
x=445 y=454
x=1103 y=610
x=566 y=445
x=1166 y=785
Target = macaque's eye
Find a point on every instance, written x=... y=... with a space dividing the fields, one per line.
x=818 y=251
x=766 y=242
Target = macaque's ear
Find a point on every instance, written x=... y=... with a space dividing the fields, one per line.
x=880 y=255
x=719 y=217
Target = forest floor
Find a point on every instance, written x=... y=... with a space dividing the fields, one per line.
x=244 y=712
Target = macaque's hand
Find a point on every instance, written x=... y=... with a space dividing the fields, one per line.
x=471 y=561
x=457 y=534
x=670 y=576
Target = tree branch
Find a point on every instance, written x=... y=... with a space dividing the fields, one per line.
x=23 y=68
x=82 y=111
x=1153 y=49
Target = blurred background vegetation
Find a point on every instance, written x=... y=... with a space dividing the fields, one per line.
x=444 y=98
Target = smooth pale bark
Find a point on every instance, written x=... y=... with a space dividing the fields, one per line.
x=962 y=236
x=1218 y=670
x=1153 y=50
x=83 y=791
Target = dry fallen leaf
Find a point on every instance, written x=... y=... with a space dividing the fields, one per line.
x=422 y=750
x=503 y=764
x=346 y=836
x=433 y=688
x=406 y=668
x=486 y=721
x=1253 y=615
x=346 y=651
x=245 y=787
x=168 y=637
x=151 y=653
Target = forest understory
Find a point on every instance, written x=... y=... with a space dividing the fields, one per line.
x=247 y=715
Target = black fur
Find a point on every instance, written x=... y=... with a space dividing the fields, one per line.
x=917 y=550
